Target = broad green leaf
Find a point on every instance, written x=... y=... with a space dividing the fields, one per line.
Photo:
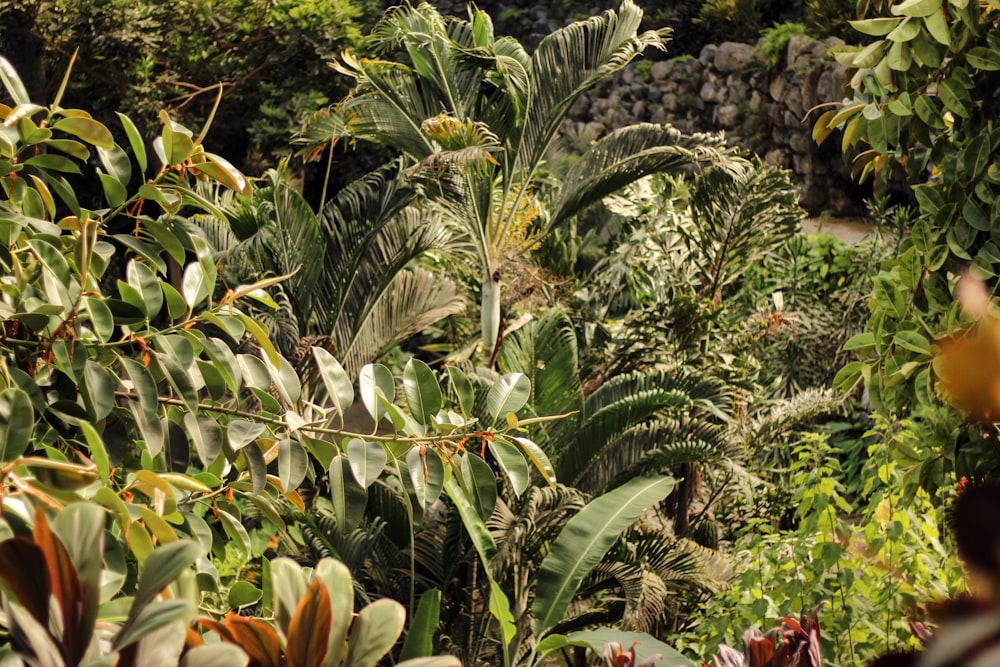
x=875 y=27
x=152 y=617
x=100 y=318
x=956 y=97
x=98 y=390
x=583 y=542
x=340 y=587
x=165 y=564
x=374 y=632
x=135 y=141
x=481 y=483
x=508 y=394
x=983 y=58
x=475 y=527
x=87 y=129
x=335 y=379
x=98 y=452
x=216 y=655
x=117 y=164
x=462 y=387
x=347 y=496
x=367 y=459
x=193 y=285
x=206 y=434
x=145 y=410
x=500 y=609
x=141 y=278
x=53 y=162
x=292 y=463
x=376 y=385
x=144 y=250
x=288 y=586
x=240 y=433
x=420 y=635
x=420 y=386
x=538 y=458
x=977 y=155
x=236 y=532
x=937 y=25
x=426 y=474
x=918 y=8
x=512 y=462
x=913 y=341
x=12 y=83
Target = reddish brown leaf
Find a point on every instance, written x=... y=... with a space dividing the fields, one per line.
x=22 y=569
x=257 y=639
x=969 y=367
x=760 y=650
x=66 y=588
x=309 y=629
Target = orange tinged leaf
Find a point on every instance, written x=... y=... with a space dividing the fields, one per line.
x=309 y=629
x=968 y=365
x=257 y=639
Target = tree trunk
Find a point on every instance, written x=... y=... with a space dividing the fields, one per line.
x=490 y=316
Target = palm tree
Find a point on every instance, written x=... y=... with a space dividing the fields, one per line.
x=353 y=275
x=475 y=115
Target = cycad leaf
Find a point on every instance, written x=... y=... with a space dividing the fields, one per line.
x=584 y=541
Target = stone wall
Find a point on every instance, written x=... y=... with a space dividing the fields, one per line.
x=728 y=88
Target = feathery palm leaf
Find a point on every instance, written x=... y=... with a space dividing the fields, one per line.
x=739 y=215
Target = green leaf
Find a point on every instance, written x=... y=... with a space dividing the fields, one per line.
x=98 y=452
x=983 y=58
x=481 y=483
x=367 y=459
x=860 y=341
x=374 y=632
x=206 y=434
x=956 y=97
x=165 y=564
x=426 y=474
x=87 y=129
x=512 y=462
x=217 y=655
x=98 y=390
x=292 y=463
x=12 y=82
x=340 y=587
x=236 y=532
x=500 y=609
x=53 y=162
x=875 y=27
x=193 y=285
x=335 y=379
x=937 y=25
x=420 y=635
x=135 y=141
x=114 y=192
x=913 y=341
x=462 y=387
x=240 y=433
x=508 y=394
x=347 y=496
x=376 y=385
x=17 y=420
x=918 y=8
x=117 y=164
x=848 y=377
x=538 y=458
x=420 y=386
x=583 y=542
x=475 y=527
x=151 y=618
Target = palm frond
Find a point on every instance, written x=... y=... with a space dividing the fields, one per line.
x=567 y=63
x=624 y=402
x=764 y=430
x=412 y=301
x=630 y=153
x=739 y=215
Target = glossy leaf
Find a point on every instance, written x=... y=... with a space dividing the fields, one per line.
x=426 y=474
x=335 y=379
x=420 y=634
x=367 y=459
x=512 y=462
x=292 y=463
x=509 y=394
x=482 y=484
x=420 y=386
x=376 y=387
x=584 y=540
x=374 y=632
x=309 y=629
x=17 y=421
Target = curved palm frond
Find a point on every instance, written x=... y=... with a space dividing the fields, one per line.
x=624 y=402
x=566 y=64
x=630 y=153
x=413 y=300
x=739 y=215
